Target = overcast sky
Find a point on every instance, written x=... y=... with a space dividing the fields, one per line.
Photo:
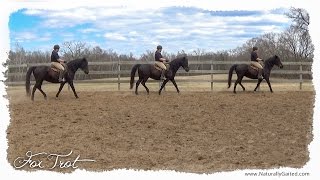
x=128 y=30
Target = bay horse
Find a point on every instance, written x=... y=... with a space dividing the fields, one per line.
x=46 y=73
x=146 y=71
x=246 y=70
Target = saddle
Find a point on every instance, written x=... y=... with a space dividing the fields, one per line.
x=254 y=67
x=54 y=72
x=159 y=68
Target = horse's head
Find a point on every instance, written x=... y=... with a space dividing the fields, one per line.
x=278 y=61
x=84 y=66
x=184 y=63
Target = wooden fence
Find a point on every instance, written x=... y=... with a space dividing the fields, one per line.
x=119 y=72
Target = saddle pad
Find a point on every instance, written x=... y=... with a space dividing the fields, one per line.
x=253 y=67
x=157 y=67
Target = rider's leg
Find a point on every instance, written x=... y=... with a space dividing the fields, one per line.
x=163 y=71
x=61 y=70
x=260 y=68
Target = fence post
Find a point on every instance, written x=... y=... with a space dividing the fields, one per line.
x=301 y=76
x=119 y=69
x=211 y=75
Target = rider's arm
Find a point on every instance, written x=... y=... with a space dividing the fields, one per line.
x=61 y=60
x=163 y=59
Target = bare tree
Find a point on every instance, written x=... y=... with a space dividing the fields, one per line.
x=147 y=56
x=300 y=18
x=73 y=49
x=297 y=36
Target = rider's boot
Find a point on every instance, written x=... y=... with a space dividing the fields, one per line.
x=61 y=74
x=162 y=77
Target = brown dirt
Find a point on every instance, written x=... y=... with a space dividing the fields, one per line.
x=198 y=132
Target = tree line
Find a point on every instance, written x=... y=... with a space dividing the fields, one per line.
x=293 y=44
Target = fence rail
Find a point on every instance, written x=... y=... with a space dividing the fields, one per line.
x=119 y=72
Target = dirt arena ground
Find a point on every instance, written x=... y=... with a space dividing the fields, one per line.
x=197 y=132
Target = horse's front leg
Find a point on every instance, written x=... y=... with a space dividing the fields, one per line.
x=269 y=84
x=61 y=87
x=163 y=84
x=258 y=84
x=73 y=89
x=175 y=85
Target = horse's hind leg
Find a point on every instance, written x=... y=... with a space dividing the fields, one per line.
x=238 y=81
x=43 y=93
x=242 y=86
x=40 y=89
x=137 y=85
x=33 y=91
x=38 y=86
x=235 y=86
x=144 y=85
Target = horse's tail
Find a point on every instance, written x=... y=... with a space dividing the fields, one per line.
x=133 y=73
x=233 y=67
x=30 y=70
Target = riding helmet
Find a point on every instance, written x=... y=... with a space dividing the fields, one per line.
x=159 y=47
x=255 y=48
x=56 y=46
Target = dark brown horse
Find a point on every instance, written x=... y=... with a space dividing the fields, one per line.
x=147 y=71
x=45 y=73
x=246 y=70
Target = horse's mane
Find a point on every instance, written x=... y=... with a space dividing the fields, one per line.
x=177 y=60
x=270 y=61
x=75 y=61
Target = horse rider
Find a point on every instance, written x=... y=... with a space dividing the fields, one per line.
x=256 y=62
x=57 y=62
x=159 y=61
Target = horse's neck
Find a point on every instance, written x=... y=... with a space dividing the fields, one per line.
x=268 y=65
x=174 y=66
x=72 y=67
